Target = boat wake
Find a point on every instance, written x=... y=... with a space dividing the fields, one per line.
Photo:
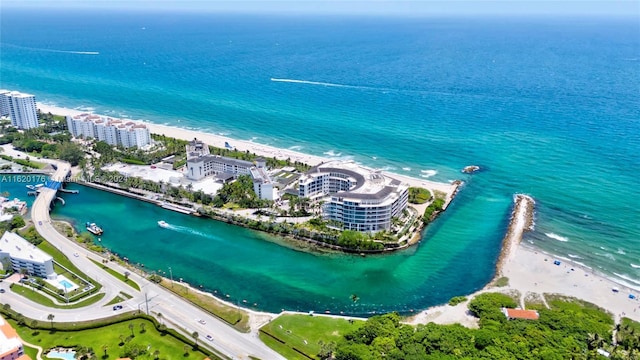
x=54 y=50
x=188 y=230
x=328 y=84
x=557 y=237
x=635 y=266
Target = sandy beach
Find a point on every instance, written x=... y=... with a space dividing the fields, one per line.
x=259 y=149
x=533 y=273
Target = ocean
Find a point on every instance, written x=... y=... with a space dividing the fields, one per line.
x=547 y=106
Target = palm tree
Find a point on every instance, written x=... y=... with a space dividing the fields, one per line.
x=142 y=325
x=186 y=349
x=105 y=347
x=156 y=353
x=160 y=318
x=121 y=339
x=195 y=335
x=131 y=328
x=50 y=318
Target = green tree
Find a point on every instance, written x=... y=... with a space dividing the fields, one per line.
x=50 y=317
x=70 y=152
x=195 y=336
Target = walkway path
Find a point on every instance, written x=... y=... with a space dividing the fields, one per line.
x=39 y=348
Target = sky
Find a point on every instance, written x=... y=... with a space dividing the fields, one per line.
x=366 y=7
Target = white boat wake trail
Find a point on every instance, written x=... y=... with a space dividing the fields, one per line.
x=186 y=230
x=54 y=50
x=328 y=84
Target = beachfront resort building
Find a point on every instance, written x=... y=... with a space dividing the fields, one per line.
x=10 y=344
x=360 y=199
x=18 y=254
x=20 y=108
x=262 y=182
x=201 y=164
x=112 y=131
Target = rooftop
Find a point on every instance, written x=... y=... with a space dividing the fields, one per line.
x=20 y=248
x=368 y=183
x=520 y=314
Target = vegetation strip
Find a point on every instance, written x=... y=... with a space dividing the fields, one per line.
x=122 y=277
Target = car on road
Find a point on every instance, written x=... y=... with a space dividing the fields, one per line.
x=202 y=322
x=76 y=254
x=117 y=307
x=39 y=222
x=209 y=337
x=2 y=291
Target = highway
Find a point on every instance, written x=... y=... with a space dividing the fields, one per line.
x=175 y=310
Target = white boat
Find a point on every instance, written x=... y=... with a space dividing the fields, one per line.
x=163 y=224
x=94 y=229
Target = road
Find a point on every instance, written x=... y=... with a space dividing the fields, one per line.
x=174 y=309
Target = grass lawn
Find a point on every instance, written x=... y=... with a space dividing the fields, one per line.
x=235 y=317
x=64 y=261
x=117 y=275
x=112 y=336
x=36 y=296
x=294 y=330
x=32 y=352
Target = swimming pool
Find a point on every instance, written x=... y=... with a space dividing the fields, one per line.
x=66 y=284
x=68 y=355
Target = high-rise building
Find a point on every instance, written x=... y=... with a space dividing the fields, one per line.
x=358 y=198
x=111 y=131
x=4 y=102
x=21 y=108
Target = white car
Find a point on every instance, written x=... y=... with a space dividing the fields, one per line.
x=202 y=322
x=76 y=254
x=209 y=337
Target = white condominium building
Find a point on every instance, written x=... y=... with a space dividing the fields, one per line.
x=21 y=108
x=112 y=131
x=359 y=198
x=18 y=254
x=201 y=164
x=262 y=183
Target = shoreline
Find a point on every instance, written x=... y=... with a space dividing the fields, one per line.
x=532 y=272
x=244 y=145
x=529 y=270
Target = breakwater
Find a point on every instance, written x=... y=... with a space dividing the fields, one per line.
x=522 y=220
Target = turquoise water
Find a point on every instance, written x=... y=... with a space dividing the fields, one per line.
x=66 y=284
x=70 y=355
x=548 y=107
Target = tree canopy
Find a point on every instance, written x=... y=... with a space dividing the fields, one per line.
x=566 y=331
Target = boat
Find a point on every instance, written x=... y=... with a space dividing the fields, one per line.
x=94 y=229
x=163 y=224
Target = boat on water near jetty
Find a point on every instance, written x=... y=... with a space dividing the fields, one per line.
x=163 y=224
x=94 y=229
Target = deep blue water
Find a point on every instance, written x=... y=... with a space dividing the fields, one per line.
x=548 y=106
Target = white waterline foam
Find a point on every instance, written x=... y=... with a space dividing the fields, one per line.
x=427 y=173
x=556 y=237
